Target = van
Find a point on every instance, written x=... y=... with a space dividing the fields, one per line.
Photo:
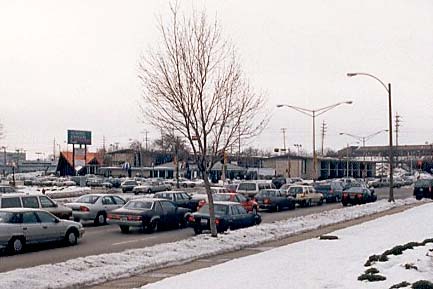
x=25 y=200
x=252 y=188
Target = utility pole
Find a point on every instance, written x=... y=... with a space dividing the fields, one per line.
x=284 y=138
x=397 y=130
x=324 y=128
x=54 y=149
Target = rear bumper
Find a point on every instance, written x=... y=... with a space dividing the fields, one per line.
x=126 y=223
x=85 y=216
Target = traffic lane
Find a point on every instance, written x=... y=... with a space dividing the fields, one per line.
x=96 y=240
x=108 y=239
x=399 y=193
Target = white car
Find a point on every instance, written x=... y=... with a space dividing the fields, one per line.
x=22 y=226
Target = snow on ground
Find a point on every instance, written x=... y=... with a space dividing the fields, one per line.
x=332 y=264
x=56 y=192
x=104 y=267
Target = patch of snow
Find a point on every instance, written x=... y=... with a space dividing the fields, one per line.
x=332 y=264
x=100 y=268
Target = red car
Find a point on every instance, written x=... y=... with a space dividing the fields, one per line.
x=248 y=204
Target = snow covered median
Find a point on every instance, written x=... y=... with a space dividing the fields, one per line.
x=333 y=264
x=104 y=267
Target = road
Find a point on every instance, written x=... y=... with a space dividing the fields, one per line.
x=109 y=239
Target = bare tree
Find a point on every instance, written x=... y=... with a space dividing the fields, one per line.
x=194 y=86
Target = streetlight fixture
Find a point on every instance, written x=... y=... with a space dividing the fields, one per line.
x=363 y=139
x=313 y=113
x=388 y=90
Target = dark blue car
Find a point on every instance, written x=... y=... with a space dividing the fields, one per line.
x=228 y=215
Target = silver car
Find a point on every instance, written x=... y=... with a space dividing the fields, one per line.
x=22 y=226
x=151 y=187
x=94 y=207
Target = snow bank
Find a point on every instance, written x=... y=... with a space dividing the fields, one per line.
x=104 y=267
x=333 y=264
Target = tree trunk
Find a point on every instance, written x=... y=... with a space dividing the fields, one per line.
x=213 y=229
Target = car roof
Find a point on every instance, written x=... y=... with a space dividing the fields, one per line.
x=170 y=192
x=18 y=194
x=226 y=203
x=149 y=199
x=20 y=210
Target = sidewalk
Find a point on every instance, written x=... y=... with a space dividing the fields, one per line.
x=159 y=274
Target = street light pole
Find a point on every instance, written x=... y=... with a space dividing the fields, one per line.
x=313 y=113
x=391 y=155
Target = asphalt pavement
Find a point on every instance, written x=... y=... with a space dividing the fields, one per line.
x=109 y=239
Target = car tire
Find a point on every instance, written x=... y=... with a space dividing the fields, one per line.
x=153 y=227
x=418 y=197
x=344 y=204
x=149 y=191
x=320 y=202
x=16 y=245
x=198 y=231
x=101 y=219
x=135 y=193
x=309 y=203
x=254 y=211
x=71 y=237
x=277 y=208
x=124 y=229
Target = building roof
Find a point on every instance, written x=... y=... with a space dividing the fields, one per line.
x=90 y=157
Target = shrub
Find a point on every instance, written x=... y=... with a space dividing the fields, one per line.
x=411 y=245
x=383 y=258
x=422 y=284
x=427 y=241
x=400 y=285
x=371 y=271
x=409 y=266
x=372 y=277
x=397 y=250
x=328 y=237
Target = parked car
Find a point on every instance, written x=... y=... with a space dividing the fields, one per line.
x=151 y=187
x=308 y=196
x=149 y=215
x=228 y=215
x=252 y=188
x=25 y=200
x=357 y=195
x=331 y=191
x=249 y=204
x=423 y=188
x=128 y=185
x=4 y=189
x=180 y=198
x=95 y=207
x=20 y=227
x=274 y=200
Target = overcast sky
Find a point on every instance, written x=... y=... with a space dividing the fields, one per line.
x=73 y=65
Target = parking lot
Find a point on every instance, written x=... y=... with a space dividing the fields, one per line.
x=108 y=238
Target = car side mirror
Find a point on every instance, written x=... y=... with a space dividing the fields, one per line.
x=56 y=220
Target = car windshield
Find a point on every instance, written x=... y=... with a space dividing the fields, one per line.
x=423 y=183
x=138 y=205
x=295 y=190
x=221 y=197
x=219 y=209
x=266 y=193
x=88 y=199
x=323 y=187
x=5 y=217
x=247 y=187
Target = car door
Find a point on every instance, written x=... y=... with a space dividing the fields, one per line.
x=108 y=203
x=169 y=211
x=51 y=228
x=236 y=218
x=119 y=201
x=246 y=219
x=32 y=229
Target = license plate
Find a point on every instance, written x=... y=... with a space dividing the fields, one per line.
x=421 y=189
x=203 y=222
